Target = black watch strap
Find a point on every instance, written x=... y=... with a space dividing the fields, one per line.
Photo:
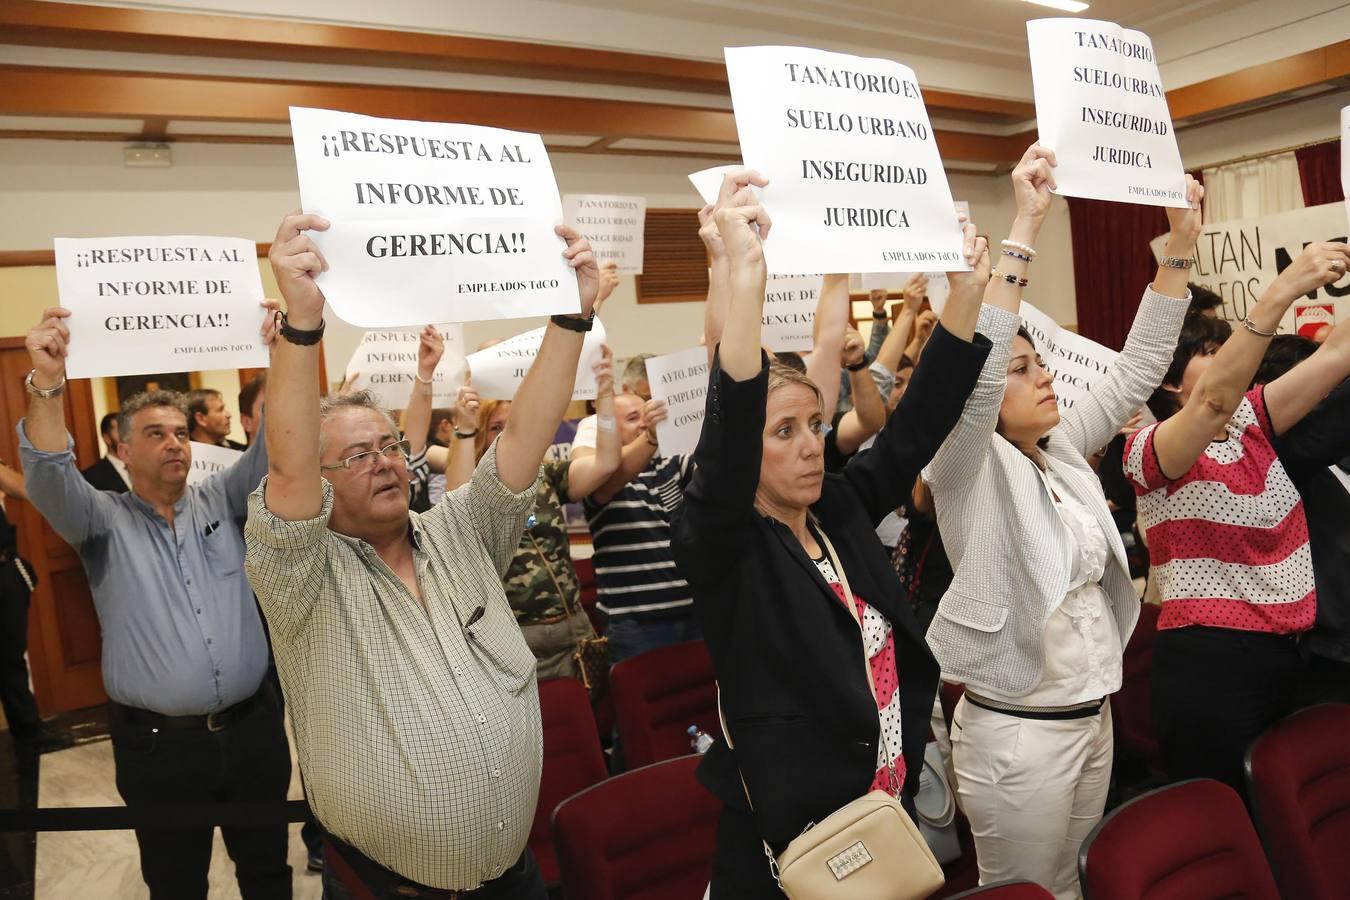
x=300 y=337
x=572 y=323
x=859 y=365
x=880 y=315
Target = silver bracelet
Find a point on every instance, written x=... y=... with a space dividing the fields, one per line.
x=44 y=393
x=1247 y=324
x=431 y=380
x=1176 y=262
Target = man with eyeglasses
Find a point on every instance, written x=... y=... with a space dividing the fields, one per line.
x=194 y=719
x=411 y=689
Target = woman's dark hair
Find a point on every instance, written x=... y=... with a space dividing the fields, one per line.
x=792 y=360
x=438 y=416
x=998 y=429
x=1202 y=300
x=1285 y=352
x=1199 y=335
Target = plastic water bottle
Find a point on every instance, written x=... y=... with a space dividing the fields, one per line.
x=699 y=740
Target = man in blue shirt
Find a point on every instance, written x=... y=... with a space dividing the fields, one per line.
x=193 y=717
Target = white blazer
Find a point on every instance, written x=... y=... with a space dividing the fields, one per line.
x=998 y=521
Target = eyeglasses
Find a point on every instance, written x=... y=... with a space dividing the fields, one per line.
x=359 y=462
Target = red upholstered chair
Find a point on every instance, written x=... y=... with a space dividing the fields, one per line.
x=572 y=760
x=648 y=834
x=1298 y=775
x=589 y=595
x=1131 y=707
x=658 y=695
x=1188 y=841
x=1008 y=890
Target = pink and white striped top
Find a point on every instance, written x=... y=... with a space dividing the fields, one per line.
x=1228 y=540
x=879 y=642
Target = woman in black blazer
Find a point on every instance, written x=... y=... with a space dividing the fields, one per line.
x=788 y=652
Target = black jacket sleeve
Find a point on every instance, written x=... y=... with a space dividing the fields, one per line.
x=1322 y=437
x=710 y=530
x=884 y=475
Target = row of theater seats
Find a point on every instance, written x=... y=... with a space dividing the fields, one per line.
x=648 y=833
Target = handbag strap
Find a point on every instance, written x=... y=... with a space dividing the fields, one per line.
x=577 y=636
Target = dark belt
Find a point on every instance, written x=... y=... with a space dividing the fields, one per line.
x=355 y=870
x=1044 y=713
x=216 y=721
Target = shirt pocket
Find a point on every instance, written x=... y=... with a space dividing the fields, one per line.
x=496 y=639
x=224 y=550
x=971 y=613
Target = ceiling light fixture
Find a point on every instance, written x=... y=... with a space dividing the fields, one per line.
x=1072 y=6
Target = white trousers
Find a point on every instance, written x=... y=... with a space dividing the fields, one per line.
x=1032 y=790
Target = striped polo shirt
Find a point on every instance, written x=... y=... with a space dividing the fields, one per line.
x=1228 y=540
x=635 y=572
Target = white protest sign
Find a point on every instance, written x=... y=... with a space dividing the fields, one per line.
x=141 y=305
x=1075 y=362
x=1239 y=259
x=855 y=180
x=680 y=379
x=790 y=311
x=209 y=459
x=614 y=225
x=1345 y=158
x=387 y=365
x=1100 y=106
x=497 y=371
x=431 y=222
x=937 y=288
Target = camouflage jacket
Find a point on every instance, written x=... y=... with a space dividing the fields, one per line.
x=544 y=546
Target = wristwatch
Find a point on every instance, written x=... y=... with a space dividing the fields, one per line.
x=44 y=393
x=301 y=337
x=573 y=323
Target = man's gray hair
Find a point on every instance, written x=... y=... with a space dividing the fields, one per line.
x=336 y=403
x=148 y=400
x=635 y=370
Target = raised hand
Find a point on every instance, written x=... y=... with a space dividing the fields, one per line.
x=741 y=221
x=854 y=350
x=1319 y=264
x=1033 y=181
x=430 y=349
x=970 y=285
x=579 y=256
x=708 y=233
x=1186 y=223
x=271 y=323
x=609 y=280
x=295 y=261
x=47 y=344
x=464 y=414
x=654 y=412
x=604 y=372
x=924 y=326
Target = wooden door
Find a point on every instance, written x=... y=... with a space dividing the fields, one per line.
x=64 y=640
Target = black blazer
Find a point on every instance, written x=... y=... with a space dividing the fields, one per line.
x=103 y=476
x=788 y=655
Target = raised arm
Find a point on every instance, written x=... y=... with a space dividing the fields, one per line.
x=542 y=398
x=417 y=414
x=633 y=456
x=45 y=423
x=1097 y=417
x=294 y=487
x=964 y=450
x=11 y=482
x=868 y=414
x=881 y=323
x=1295 y=393
x=1322 y=437
x=590 y=471
x=932 y=406
x=828 y=333
x=465 y=417
x=719 y=281
x=1179 y=441
x=712 y=526
x=893 y=347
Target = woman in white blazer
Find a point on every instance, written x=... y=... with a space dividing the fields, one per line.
x=1041 y=603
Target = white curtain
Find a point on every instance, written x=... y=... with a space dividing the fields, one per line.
x=1257 y=187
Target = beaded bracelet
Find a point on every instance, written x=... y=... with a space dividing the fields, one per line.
x=1011 y=279
x=1015 y=255
x=1018 y=245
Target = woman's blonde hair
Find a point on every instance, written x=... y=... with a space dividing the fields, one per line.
x=782 y=376
x=485 y=411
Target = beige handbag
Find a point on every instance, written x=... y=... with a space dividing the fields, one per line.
x=869 y=849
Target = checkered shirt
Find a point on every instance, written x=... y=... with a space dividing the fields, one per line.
x=418 y=734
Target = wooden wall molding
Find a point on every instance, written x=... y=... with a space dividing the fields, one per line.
x=14 y=258
x=1302 y=70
